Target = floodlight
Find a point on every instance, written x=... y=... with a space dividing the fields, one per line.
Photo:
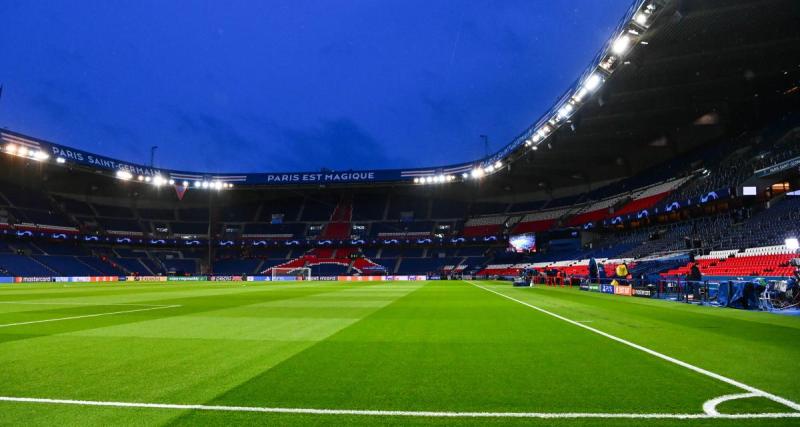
x=477 y=173
x=185 y=183
x=580 y=94
x=158 y=180
x=641 y=18
x=792 y=244
x=198 y=184
x=141 y=178
x=498 y=164
x=465 y=175
x=11 y=148
x=593 y=82
x=121 y=174
x=621 y=45
x=565 y=111
x=147 y=179
x=22 y=151
x=172 y=182
x=61 y=160
x=41 y=156
x=536 y=137
x=205 y=184
x=490 y=168
x=535 y=147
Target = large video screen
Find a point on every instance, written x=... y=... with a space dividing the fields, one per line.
x=523 y=243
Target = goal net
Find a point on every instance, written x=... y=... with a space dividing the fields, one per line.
x=299 y=273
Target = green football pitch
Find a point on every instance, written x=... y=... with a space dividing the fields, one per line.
x=410 y=353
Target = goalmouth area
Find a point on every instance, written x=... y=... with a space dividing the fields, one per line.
x=389 y=353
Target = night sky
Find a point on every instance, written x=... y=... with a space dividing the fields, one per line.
x=261 y=86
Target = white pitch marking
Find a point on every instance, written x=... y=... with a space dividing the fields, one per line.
x=381 y=413
x=745 y=387
x=82 y=303
x=710 y=406
x=87 y=315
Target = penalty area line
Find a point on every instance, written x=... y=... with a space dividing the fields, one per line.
x=380 y=413
x=752 y=390
x=87 y=316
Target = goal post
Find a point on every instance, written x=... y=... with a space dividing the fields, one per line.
x=284 y=273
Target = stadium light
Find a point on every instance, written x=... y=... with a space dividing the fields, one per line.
x=477 y=173
x=535 y=147
x=140 y=178
x=465 y=175
x=171 y=182
x=61 y=160
x=11 y=148
x=40 y=156
x=792 y=244
x=621 y=45
x=198 y=184
x=185 y=183
x=498 y=164
x=641 y=18
x=205 y=184
x=593 y=82
x=22 y=151
x=124 y=175
x=565 y=111
x=159 y=180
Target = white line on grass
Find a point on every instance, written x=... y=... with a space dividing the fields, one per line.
x=87 y=315
x=82 y=303
x=710 y=406
x=750 y=389
x=366 y=412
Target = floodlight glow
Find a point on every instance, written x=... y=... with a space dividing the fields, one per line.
x=61 y=160
x=465 y=175
x=490 y=168
x=159 y=180
x=580 y=94
x=536 y=137
x=22 y=151
x=593 y=82
x=147 y=179
x=621 y=45
x=11 y=148
x=792 y=244
x=498 y=164
x=205 y=184
x=185 y=183
x=41 y=156
x=172 y=182
x=124 y=175
x=141 y=178
x=565 y=111
x=477 y=173
x=535 y=147
x=641 y=18
x=198 y=184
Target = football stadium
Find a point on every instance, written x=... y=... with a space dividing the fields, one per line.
x=629 y=256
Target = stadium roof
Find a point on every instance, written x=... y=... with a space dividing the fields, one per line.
x=700 y=70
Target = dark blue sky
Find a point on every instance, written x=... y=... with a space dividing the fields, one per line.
x=291 y=85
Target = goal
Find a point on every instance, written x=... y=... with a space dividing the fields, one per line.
x=298 y=273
